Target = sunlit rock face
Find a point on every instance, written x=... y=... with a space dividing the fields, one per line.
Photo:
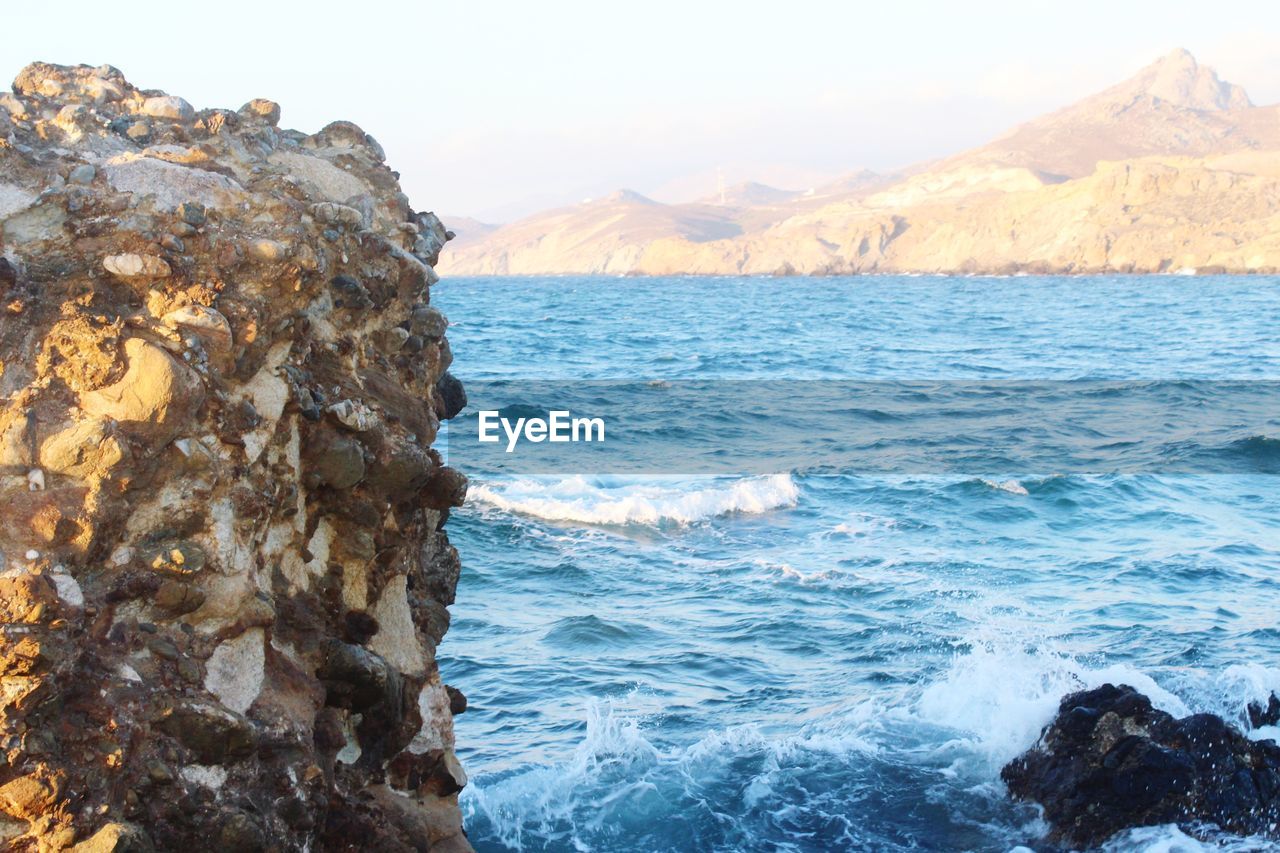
x=223 y=569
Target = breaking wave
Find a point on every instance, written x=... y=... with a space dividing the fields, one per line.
x=648 y=501
x=959 y=728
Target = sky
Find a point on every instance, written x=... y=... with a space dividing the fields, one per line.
x=496 y=108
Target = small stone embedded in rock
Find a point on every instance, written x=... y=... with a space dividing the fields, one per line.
x=179 y=597
x=360 y=627
x=210 y=326
x=428 y=321
x=133 y=265
x=116 y=838
x=270 y=251
x=352 y=294
x=163 y=647
x=83 y=448
x=183 y=557
x=8 y=273
x=332 y=213
x=354 y=415
x=215 y=735
x=82 y=174
x=445 y=488
x=356 y=677
x=337 y=461
x=241 y=834
x=193 y=214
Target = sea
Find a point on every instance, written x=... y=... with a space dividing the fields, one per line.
x=832 y=636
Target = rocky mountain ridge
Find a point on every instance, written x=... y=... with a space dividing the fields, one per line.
x=1172 y=170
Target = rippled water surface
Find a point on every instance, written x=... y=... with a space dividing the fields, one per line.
x=803 y=661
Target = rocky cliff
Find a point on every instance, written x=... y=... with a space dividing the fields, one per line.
x=1171 y=170
x=224 y=572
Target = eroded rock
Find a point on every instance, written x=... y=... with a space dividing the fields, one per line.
x=222 y=573
x=156 y=393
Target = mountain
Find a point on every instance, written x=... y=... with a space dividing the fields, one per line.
x=1169 y=170
x=1173 y=106
x=750 y=193
x=467 y=230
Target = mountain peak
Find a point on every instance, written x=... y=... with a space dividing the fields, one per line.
x=1178 y=79
x=625 y=196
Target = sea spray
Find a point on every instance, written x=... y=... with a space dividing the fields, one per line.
x=637 y=500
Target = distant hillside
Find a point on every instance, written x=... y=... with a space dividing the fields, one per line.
x=751 y=193
x=467 y=230
x=1172 y=169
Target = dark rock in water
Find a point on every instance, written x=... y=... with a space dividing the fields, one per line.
x=1268 y=716
x=1110 y=761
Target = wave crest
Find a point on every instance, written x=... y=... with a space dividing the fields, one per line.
x=647 y=501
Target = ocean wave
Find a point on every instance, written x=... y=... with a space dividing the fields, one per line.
x=1013 y=487
x=616 y=773
x=592 y=632
x=999 y=694
x=785 y=572
x=646 y=501
x=958 y=729
x=1259 y=453
x=543 y=801
x=864 y=524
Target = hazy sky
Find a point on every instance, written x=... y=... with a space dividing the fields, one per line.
x=493 y=108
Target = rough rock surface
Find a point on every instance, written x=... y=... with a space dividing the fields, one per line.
x=1110 y=761
x=223 y=573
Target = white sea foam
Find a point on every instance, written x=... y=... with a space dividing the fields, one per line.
x=650 y=501
x=615 y=768
x=775 y=571
x=1013 y=487
x=987 y=708
x=997 y=697
x=1170 y=839
x=546 y=798
x=864 y=524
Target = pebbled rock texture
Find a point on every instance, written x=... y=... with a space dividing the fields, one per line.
x=223 y=569
x=1110 y=761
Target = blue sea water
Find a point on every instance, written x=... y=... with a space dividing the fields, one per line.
x=816 y=660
